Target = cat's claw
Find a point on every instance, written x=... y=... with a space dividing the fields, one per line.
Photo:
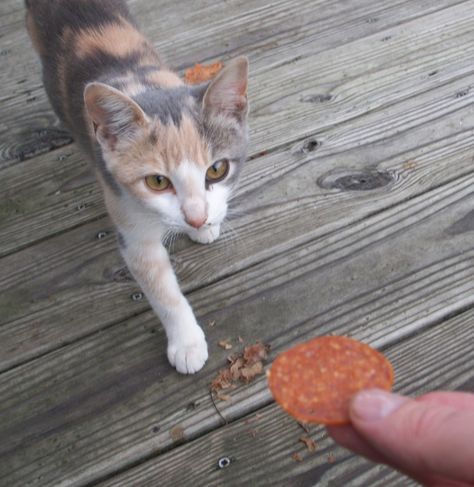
x=205 y=235
x=188 y=357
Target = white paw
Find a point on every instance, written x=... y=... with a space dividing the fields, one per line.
x=188 y=353
x=205 y=235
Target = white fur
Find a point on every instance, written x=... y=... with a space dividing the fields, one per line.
x=187 y=347
x=143 y=216
x=142 y=225
x=191 y=194
x=205 y=235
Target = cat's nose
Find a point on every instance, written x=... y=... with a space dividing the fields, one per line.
x=196 y=221
x=195 y=212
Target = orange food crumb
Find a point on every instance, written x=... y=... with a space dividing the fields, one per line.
x=202 y=72
x=243 y=367
x=309 y=442
x=297 y=457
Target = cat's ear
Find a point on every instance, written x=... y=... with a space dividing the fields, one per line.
x=115 y=116
x=227 y=93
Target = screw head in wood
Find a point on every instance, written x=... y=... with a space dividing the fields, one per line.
x=223 y=462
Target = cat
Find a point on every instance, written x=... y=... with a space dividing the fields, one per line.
x=167 y=155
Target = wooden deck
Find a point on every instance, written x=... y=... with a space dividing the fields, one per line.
x=355 y=215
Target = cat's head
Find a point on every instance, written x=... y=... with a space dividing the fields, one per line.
x=178 y=151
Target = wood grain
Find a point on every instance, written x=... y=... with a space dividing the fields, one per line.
x=354 y=216
x=55 y=192
x=108 y=401
x=260 y=445
x=74 y=284
x=46 y=195
x=272 y=34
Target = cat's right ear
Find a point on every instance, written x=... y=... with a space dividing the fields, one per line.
x=114 y=115
x=227 y=92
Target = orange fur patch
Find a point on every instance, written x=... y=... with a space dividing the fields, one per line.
x=149 y=269
x=173 y=145
x=165 y=79
x=120 y=39
x=181 y=143
x=133 y=87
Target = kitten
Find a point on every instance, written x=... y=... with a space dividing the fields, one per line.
x=167 y=155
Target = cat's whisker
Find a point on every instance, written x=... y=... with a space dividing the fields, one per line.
x=230 y=233
x=170 y=236
x=173 y=242
x=166 y=237
x=234 y=213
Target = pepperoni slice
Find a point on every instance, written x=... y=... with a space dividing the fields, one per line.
x=314 y=381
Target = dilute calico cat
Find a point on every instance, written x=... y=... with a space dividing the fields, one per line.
x=166 y=154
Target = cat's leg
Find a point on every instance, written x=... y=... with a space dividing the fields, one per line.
x=150 y=265
x=205 y=234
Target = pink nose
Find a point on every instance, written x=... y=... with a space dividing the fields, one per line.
x=196 y=222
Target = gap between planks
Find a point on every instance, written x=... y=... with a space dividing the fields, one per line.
x=330 y=135
x=409 y=356
x=429 y=289
x=435 y=163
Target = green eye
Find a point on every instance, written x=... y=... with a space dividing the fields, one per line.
x=158 y=183
x=218 y=171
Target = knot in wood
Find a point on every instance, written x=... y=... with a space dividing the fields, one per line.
x=310 y=145
x=122 y=275
x=355 y=181
x=317 y=98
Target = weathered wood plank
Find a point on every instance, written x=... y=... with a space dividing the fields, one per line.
x=172 y=32
x=47 y=195
x=271 y=34
x=109 y=400
x=260 y=447
x=51 y=195
x=77 y=285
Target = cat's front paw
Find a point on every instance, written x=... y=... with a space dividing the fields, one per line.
x=188 y=354
x=205 y=235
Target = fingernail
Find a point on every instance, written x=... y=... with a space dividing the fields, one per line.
x=375 y=404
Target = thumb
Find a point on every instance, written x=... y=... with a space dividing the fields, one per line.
x=420 y=438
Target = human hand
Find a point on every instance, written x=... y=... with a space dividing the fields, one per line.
x=430 y=438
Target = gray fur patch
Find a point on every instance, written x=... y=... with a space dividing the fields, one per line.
x=142 y=71
x=234 y=177
x=226 y=136
x=166 y=104
x=121 y=241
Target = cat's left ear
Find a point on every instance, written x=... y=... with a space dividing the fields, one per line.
x=116 y=117
x=227 y=93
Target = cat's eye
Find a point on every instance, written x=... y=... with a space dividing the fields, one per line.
x=158 y=183
x=218 y=171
